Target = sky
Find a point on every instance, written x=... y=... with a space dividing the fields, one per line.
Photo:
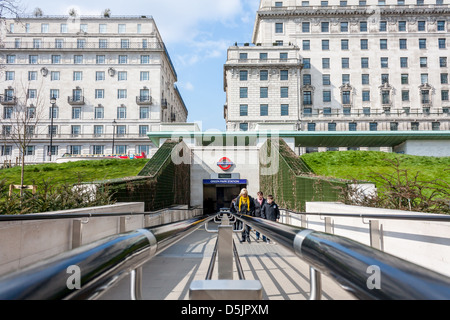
x=197 y=34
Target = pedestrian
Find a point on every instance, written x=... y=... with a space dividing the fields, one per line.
x=238 y=223
x=259 y=203
x=270 y=211
x=245 y=205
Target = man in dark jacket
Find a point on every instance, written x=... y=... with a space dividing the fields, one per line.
x=259 y=203
x=270 y=211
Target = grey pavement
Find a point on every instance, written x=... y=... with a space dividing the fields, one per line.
x=168 y=275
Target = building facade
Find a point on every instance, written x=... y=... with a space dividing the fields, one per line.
x=364 y=65
x=112 y=79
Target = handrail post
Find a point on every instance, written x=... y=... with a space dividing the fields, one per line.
x=136 y=284
x=315 y=281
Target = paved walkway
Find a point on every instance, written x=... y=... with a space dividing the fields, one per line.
x=168 y=275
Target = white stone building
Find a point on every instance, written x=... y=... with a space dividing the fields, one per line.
x=112 y=78
x=360 y=65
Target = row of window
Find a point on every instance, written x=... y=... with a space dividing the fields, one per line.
x=264 y=110
x=77 y=94
x=363 y=26
x=367 y=111
x=364 y=44
x=384 y=62
x=38 y=43
x=77 y=59
x=99 y=112
x=344 y=3
x=78 y=75
x=64 y=28
x=373 y=126
x=77 y=149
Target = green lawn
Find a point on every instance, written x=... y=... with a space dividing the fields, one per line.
x=360 y=165
x=73 y=172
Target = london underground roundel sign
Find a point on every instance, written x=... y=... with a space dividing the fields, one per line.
x=225 y=164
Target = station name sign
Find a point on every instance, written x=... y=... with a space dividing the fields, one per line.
x=224 y=181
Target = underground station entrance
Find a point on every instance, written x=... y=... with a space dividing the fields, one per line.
x=218 y=193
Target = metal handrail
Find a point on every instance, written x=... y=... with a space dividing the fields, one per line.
x=100 y=265
x=350 y=263
x=405 y=216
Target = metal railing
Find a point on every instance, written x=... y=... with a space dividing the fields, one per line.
x=89 y=271
x=365 y=272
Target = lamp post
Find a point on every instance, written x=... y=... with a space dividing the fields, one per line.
x=114 y=132
x=53 y=102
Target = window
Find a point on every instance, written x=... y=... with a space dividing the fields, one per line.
x=75 y=130
x=403 y=62
x=121 y=113
x=306 y=79
x=325 y=44
x=9 y=75
x=284 y=75
x=10 y=59
x=243 y=75
x=103 y=43
x=326 y=80
x=121 y=149
x=283 y=56
x=311 y=127
x=143 y=130
x=122 y=28
x=403 y=44
x=383 y=44
x=32 y=94
x=325 y=27
x=305 y=27
x=345 y=79
x=421 y=25
x=278 y=28
x=77 y=75
x=364 y=63
x=78 y=59
x=436 y=126
x=264 y=110
x=402 y=26
x=405 y=95
x=415 y=126
x=442 y=44
x=145 y=59
x=405 y=78
x=284 y=110
x=122 y=76
x=306 y=63
x=76 y=113
x=424 y=78
x=327 y=96
x=332 y=126
x=425 y=96
x=366 y=111
x=243 y=110
x=243 y=92
x=307 y=98
x=373 y=126
x=263 y=56
x=284 y=92
x=54 y=93
x=364 y=44
x=306 y=45
x=37 y=43
x=33 y=59
x=98 y=149
x=423 y=62
x=422 y=43
x=99 y=76
x=102 y=28
x=366 y=95
x=81 y=43
x=100 y=59
x=325 y=63
x=56 y=59
x=393 y=126
x=444 y=95
x=32 y=75
x=264 y=92
x=121 y=93
x=365 y=79
x=243 y=126
x=384 y=78
x=383 y=26
x=363 y=26
x=123 y=59
x=144 y=75
x=63 y=28
x=264 y=75
x=83 y=27
x=352 y=126
x=345 y=63
x=124 y=43
x=441 y=26
x=346 y=97
x=99 y=112
x=443 y=62
x=344 y=44
x=385 y=97
x=344 y=26
x=384 y=62
x=99 y=93
x=144 y=113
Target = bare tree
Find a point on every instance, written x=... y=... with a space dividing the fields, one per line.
x=10 y=8
x=23 y=111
